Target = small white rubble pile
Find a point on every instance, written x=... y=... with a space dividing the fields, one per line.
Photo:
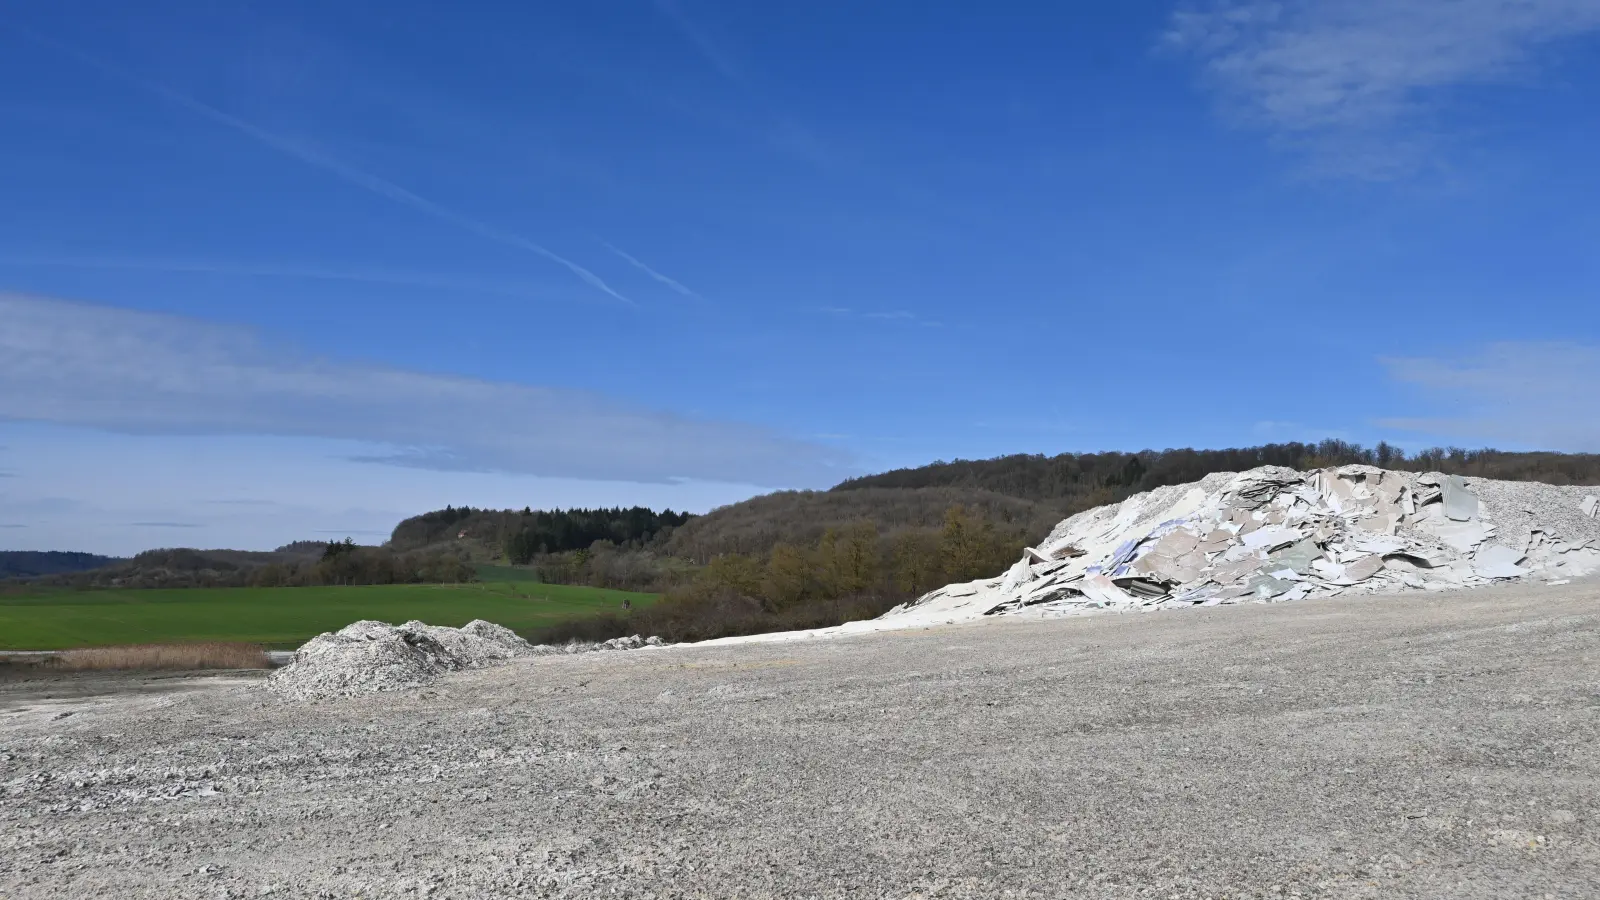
x=368 y=656
x=1273 y=534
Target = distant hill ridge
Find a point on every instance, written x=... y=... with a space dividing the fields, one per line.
x=1076 y=476
x=1034 y=492
x=1022 y=493
x=39 y=563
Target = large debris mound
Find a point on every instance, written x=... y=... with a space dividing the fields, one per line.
x=1274 y=534
x=368 y=656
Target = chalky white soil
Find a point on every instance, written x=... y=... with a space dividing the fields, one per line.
x=1417 y=745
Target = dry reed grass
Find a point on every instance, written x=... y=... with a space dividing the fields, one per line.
x=202 y=655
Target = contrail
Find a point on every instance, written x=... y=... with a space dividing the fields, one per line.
x=403 y=279
x=702 y=42
x=669 y=281
x=373 y=183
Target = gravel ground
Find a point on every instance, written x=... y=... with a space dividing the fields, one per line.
x=1415 y=746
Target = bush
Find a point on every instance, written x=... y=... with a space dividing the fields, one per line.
x=850 y=573
x=690 y=615
x=146 y=657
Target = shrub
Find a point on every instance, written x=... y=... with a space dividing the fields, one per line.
x=205 y=655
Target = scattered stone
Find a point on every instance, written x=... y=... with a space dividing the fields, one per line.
x=628 y=643
x=1275 y=534
x=369 y=656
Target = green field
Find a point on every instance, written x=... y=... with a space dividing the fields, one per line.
x=282 y=618
x=496 y=573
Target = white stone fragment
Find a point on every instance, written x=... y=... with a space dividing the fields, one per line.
x=367 y=656
x=1498 y=561
x=1223 y=540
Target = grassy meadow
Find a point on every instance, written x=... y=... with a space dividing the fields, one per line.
x=282 y=618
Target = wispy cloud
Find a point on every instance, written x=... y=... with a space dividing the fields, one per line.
x=670 y=282
x=783 y=132
x=11 y=525
x=248 y=270
x=367 y=181
x=702 y=42
x=163 y=525
x=1530 y=394
x=1354 y=81
x=138 y=372
x=241 y=502
x=893 y=315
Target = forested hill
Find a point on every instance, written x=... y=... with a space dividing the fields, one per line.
x=755 y=526
x=1030 y=494
x=1085 y=480
x=35 y=563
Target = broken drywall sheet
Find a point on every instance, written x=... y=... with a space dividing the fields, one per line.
x=1498 y=561
x=1274 y=534
x=1460 y=504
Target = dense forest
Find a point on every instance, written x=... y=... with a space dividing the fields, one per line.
x=521 y=536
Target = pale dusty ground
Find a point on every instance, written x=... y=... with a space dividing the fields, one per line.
x=1416 y=746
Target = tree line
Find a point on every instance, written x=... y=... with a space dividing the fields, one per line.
x=1085 y=480
x=852 y=572
x=342 y=563
x=521 y=536
x=35 y=563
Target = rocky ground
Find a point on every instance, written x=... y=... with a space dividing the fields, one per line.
x=1433 y=745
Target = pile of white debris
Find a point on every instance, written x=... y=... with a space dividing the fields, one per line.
x=368 y=656
x=1274 y=534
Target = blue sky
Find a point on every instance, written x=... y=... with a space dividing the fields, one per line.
x=270 y=271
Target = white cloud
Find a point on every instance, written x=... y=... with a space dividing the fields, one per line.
x=1542 y=395
x=1352 y=80
x=138 y=372
x=893 y=315
x=82 y=489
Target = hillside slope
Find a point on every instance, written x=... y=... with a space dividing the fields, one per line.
x=1034 y=492
x=753 y=526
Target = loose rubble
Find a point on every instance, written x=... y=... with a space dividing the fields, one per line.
x=369 y=656
x=1439 y=749
x=1276 y=534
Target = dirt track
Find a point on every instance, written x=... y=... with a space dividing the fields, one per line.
x=1428 y=746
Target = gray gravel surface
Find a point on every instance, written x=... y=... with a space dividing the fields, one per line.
x=1413 y=746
